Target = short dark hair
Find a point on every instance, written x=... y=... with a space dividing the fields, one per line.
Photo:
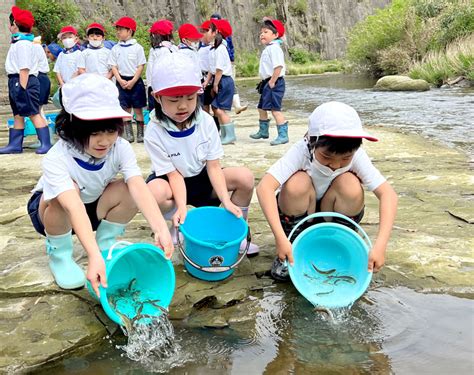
x=160 y=115
x=95 y=31
x=21 y=28
x=269 y=25
x=336 y=145
x=77 y=132
x=156 y=39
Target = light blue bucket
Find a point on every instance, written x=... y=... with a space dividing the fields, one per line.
x=140 y=280
x=330 y=262
x=30 y=128
x=212 y=237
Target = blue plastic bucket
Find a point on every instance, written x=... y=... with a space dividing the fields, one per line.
x=330 y=262
x=30 y=128
x=212 y=237
x=140 y=280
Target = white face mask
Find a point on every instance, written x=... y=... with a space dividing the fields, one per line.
x=68 y=42
x=95 y=43
x=328 y=172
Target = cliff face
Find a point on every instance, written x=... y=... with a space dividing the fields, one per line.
x=316 y=25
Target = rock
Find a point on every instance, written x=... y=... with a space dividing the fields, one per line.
x=401 y=83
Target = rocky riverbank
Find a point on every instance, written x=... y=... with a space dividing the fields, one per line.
x=430 y=249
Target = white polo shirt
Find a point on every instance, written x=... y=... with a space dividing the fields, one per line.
x=219 y=59
x=297 y=158
x=43 y=65
x=272 y=57
x=156 y=54
x=63 y=165
x=94 y=60
x=185 y=151
x=127 y=57
x=66 y=64
x=21 y=55
x=204 y=53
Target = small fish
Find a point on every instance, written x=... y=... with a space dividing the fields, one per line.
x=325 y=293
x=323 y=272
x=347 y=279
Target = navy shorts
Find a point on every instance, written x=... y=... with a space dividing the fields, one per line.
x=151 y=100
x=134 y=98
x=198 y=189
x=24 y=102
x=45 y=88
x=223 y=99
x=271 y=99
x=33 y=211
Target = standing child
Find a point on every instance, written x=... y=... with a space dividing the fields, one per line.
x=184 y=147
x=272 y=86
x=161 y=36
x=21 y=66
x=79 y=190
x=66 y=64
x=127 y=60
x=208 y=34
x=220 y=74
x=94 y=59
x=324 y=172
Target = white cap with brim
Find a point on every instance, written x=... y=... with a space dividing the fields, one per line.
x=336 y=119
x=92 y=97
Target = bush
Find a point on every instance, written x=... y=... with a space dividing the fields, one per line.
x=301 y=56
x=246 y=64
x=456 y=22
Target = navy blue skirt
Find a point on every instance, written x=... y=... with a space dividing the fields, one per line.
x=45 y=88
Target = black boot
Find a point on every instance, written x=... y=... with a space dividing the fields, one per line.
x=128 y=132
x=44 y=137
x=140 y=131
x=15 y=142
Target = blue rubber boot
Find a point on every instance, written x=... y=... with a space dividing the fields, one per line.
x=282 y=135
x=262 y=130
x=66 y=272
x=15 y=142
x=44 y=137
x=229 y=131
x=107 y=233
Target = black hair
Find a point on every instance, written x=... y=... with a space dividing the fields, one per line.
x=95 y=32
x=77 y=132
x=21 y=28
x=336 y=145
x=156 y=39
x=161 y=116
x=269 y=25
x=218 y=40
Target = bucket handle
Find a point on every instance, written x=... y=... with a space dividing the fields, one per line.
x=112 y=248
x=364 y=236
x=213 y=269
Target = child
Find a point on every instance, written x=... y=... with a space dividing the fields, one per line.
x=127 y=60
x=189 y=37
x=161 y=35
x=79 y=190
x=324 y=172
x=21 y=66
x=272 y=86
x=220 y=73
x=184 y=148
x=66 y=63
x=52 y=51
x=94 y=58
x=208 y=34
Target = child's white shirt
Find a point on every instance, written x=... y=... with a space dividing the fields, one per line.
x=43 y=65
x=155 y=55
x=66 y=64
x=219 y=59
x=204 y=54
x=297 y=158
x=127 y=57
x=21 y=55
x=63 y=165
x=271 y=58
x=185 y=151
x=95 y=60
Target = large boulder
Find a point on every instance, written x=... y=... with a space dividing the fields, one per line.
x=401 y=83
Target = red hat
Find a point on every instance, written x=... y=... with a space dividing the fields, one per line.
x=277 y=25
x=23 y=17
x=162 y=27
x=126 y=22
x=67 y=29
x=95 y=25
x=223 y=27
x=188 y=31
x=206 y=25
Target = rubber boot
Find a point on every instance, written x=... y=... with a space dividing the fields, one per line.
x=44 y=137
x=229 y=131
x=107 y=233
x=253 y=249
x=140 y=131
x=15 y=142
x=238 y=108
x=67 y=273
x=262 y=130
x=282 y=135
x=128 y=131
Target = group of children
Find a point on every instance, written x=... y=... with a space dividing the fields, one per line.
x=79 y=191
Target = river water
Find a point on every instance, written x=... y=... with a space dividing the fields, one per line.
x=394 y=330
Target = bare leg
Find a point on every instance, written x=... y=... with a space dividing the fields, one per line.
x=222 y=116
x=161 y=190
x=345 y=195
x=279 y=118
x=240 y=182
x=138 y=113
x=262 y=115
x=116 y=203
x=298 y=195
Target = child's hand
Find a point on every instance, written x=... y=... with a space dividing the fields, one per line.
x=123 y=83
x=163 y=241
x=130 y=84
x=232 y=208
x=271 y=84
x=376 y=258
x=284 y=249
x=215 y=88
x=179 y=216
x=96 y=272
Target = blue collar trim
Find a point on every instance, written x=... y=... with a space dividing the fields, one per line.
x=87 y=166
x=183 y=133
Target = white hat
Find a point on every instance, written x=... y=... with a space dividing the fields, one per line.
x=92 y=97
x=175 y=75
x=336 y=119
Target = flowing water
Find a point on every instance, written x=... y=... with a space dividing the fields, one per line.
x=388 y=331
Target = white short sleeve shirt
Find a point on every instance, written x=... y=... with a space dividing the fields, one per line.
x=127 y=57
x=21 y=55
x=272 y=57
x=95 y=60
x=66 y=64
x=203 y=53
x=219 y=59
x=43 y=65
